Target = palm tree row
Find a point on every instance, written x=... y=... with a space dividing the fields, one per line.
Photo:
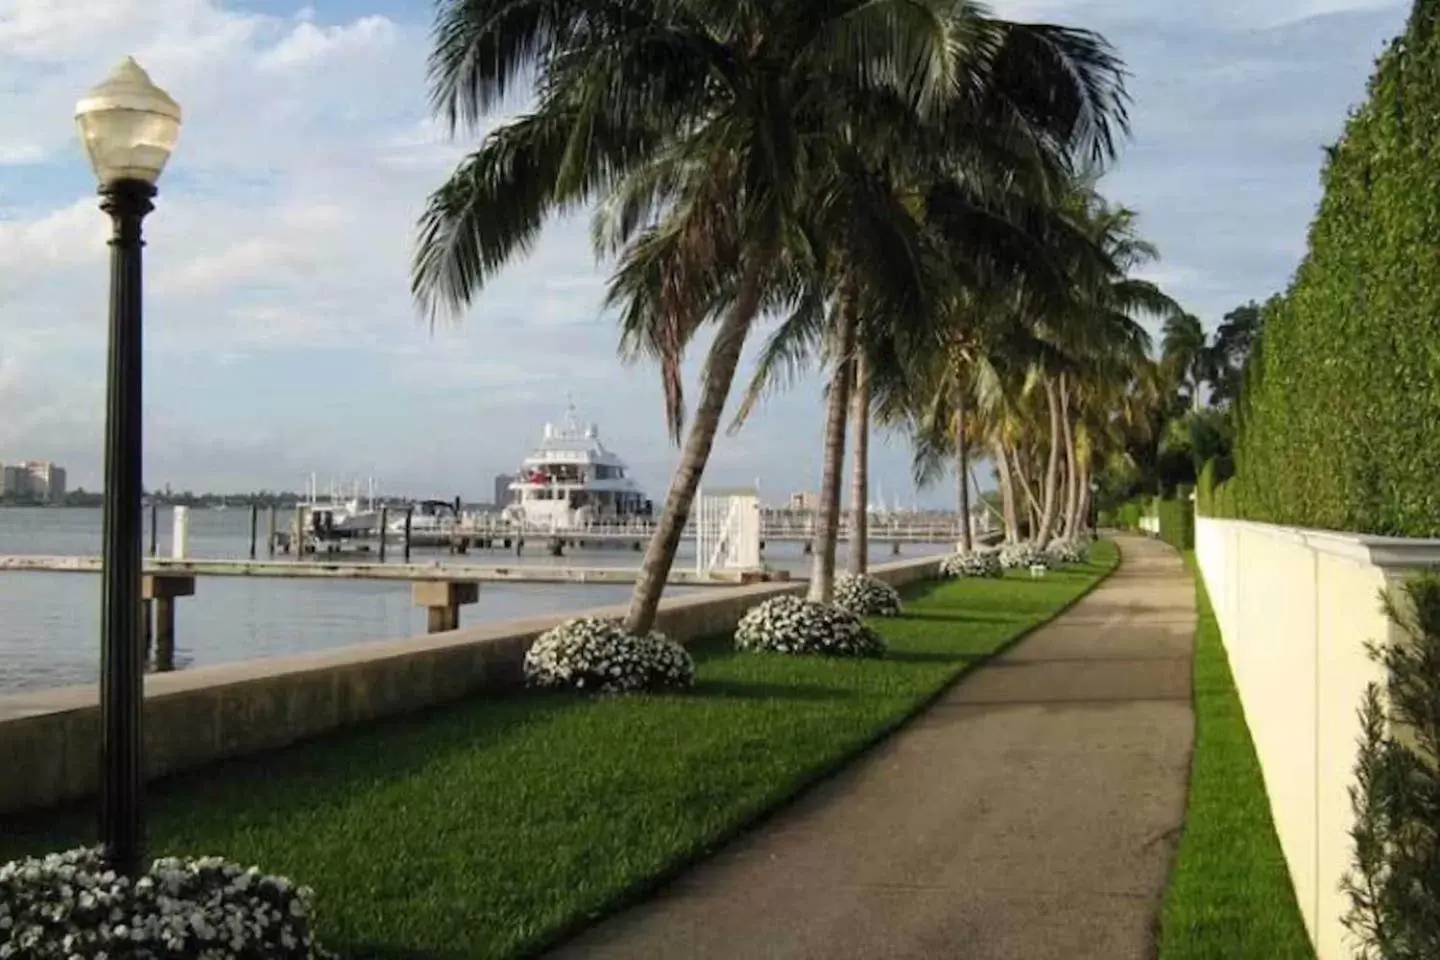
x=1046 y=391
x=890 y=182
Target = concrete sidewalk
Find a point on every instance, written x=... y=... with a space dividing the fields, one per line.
x=1030 y=814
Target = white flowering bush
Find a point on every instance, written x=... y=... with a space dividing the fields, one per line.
x=1066 y=551
x=976 y=563
x=71 y=906
x=1024 y=556
x=588 y=653
x=789 y=624
x=867 y=596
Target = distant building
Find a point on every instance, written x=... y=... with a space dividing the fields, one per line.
x=502 y=488
x=804 y=501
x=33 y=479
x=14 y=481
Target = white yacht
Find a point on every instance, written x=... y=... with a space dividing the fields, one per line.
x=571 y=480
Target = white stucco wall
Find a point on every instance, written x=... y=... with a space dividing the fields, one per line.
x=1295 y=609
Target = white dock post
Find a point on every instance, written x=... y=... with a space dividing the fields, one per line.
x=180 y=533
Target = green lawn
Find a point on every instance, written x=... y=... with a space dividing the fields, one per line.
x=491 y=828
x=1229 y=896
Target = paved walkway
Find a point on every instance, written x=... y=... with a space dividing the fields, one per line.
x=1030 y=814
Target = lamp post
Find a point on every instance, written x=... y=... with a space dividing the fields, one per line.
x=1094 y=505
x=129 y=127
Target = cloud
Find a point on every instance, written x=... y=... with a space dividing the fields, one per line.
x=308 y=44
x=280 y=334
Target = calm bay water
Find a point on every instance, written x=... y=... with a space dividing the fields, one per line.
x=50 y=622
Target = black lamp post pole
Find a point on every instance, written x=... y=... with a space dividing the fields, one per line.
x=122 y=654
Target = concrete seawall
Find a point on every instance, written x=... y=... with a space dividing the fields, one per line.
x=50 y=739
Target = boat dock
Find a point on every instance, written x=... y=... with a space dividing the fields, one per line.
x=410 y=572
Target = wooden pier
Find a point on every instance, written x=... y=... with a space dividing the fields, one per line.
x=329 y=569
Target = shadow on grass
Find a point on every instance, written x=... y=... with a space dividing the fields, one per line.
x=328 y=770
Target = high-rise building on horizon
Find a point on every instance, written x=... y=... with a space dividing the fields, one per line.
x=34 y=479
x=13 y=480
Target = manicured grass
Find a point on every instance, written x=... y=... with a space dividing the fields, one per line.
x=491 y=828
x=1229 y=896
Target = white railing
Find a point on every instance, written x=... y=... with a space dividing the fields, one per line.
x=768 y=529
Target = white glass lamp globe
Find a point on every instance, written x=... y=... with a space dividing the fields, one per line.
x=128 y=125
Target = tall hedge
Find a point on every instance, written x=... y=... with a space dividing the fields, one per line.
x=1340 y=419
x=1177 y=520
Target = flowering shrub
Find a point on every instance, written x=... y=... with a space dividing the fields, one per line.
x=1066 y=551
x=587 y=653
x=788 y=624
x=70 y=905
x=1024 y=556
x=976 y=563
x=866 y=596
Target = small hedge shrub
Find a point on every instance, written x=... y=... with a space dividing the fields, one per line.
x=976 y=563
x=1023 y=556
x=867 y=596
x=1066 y=551
x=70 y=905
x=788 y=624
x=587 y=653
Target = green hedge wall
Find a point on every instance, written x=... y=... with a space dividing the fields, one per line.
x=1338 y=424
x=1205 y=490
x=1177 y=520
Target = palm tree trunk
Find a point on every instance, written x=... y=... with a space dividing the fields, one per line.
x=962 y=472
x=1072 y=463
x=975 y=485
x=822 y=574
x=860 y=480
x=719 y=373
x=1031 y=504
x=1085 y=498
x=1052 y=467
x=1007 y=492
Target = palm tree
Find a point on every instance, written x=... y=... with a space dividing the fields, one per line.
x=1105 y=341
x=698 y=126
x=859 y=559
x=1041 y=98
x=1186 y=353
x=985 y=204
x=1042 y=376
x=1235 y=338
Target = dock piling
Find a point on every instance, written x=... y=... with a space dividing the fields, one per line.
x=254 y=527
x=160 y=591
x=180 y=533
x=384 y=525
x=442 y=600
x=154 y=528
x=297 y=542
x=147 y=630
x=409 y=515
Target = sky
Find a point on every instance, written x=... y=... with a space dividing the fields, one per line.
x=280 y=335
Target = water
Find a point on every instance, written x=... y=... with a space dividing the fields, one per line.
x=50 y=622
